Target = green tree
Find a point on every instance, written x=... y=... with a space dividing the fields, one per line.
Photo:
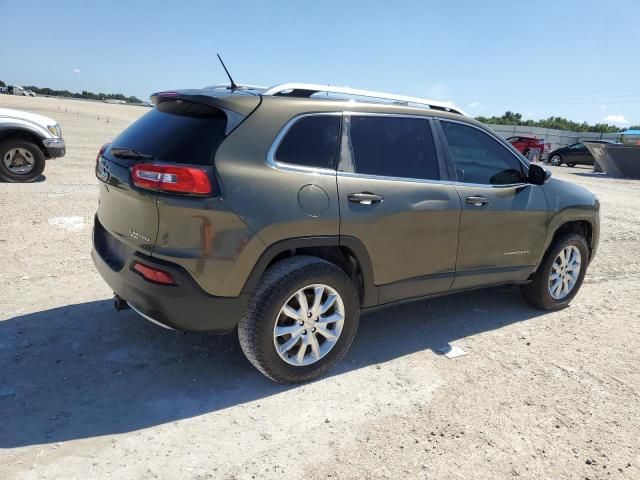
x=558 y=123
x=83 y=94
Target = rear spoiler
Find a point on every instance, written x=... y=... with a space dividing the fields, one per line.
x=237 y=106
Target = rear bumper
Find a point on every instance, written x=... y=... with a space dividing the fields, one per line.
x=56 y=147
x=183 y=306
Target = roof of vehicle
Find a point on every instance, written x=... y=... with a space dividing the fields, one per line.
x=329 y=93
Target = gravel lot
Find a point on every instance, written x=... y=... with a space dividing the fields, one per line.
x=86 y=392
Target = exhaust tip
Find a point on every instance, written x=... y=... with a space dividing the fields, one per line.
x=120 y=303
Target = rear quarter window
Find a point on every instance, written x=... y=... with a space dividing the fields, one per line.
x=176 y=131
x=312 y=141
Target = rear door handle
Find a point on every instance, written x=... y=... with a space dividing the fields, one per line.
x=477 y=201
x=365 y=198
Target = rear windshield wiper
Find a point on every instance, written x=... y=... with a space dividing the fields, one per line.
x=121 y=152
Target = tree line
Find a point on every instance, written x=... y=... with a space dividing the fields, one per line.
x=558 y=123
x=85 y=94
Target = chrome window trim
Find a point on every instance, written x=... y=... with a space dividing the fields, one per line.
x=379 y=114
x=426 y=180
x=389 y=178
x=292 y=167
x=489 y=133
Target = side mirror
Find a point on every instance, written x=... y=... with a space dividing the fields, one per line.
x=537 y=174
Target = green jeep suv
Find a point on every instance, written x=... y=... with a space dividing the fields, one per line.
x=286 y=211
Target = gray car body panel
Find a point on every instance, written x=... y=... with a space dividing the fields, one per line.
x=421 y=240
x=569 y=202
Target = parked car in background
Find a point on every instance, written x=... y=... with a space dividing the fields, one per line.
x=284 y=212
x=524 y=144
x=576 y=154
x=16 y=90
x=26 y=141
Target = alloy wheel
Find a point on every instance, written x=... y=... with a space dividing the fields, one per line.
x=565 y=271
x=309 y=325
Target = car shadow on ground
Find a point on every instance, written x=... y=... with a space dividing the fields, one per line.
x=41 y=178
x=84 y=370
x=593 y=174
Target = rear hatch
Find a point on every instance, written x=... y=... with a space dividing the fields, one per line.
x=179 y=133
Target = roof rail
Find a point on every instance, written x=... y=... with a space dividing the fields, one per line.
x=305 y=90
x=241 y=86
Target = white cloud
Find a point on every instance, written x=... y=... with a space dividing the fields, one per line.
x=603 y=107
x=438 y=91
x=76 y=70
x=616 y=119
x=474 y=104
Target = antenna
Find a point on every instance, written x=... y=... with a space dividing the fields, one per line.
x=233 y=84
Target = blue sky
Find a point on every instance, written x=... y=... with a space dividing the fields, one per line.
x=578 y=59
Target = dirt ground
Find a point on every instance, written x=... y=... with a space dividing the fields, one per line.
x=86 y=392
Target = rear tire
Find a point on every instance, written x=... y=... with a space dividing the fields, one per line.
x=538 y=292
x=279 y=289
x=28 y=153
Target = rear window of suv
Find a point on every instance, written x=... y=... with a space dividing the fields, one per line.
x=176 y=131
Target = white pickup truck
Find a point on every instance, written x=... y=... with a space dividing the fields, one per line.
x=26 y=141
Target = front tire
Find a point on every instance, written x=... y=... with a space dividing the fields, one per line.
x=560 y=275
x=300 y=321
x=20 y=161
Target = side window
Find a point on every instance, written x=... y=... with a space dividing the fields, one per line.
x=311 y=142
x=393 y=147
x=578 y=146
x=479 y=158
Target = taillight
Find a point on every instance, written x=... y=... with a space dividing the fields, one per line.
x=153 y=274
x=170 y=178
x=101 y=151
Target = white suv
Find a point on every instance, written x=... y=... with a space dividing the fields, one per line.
x=26 y=141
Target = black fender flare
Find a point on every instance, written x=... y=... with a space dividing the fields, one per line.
x=559 y=221
x=356 y=247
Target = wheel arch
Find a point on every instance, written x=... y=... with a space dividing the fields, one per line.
x=348 y=253
x=582 y=227
x=23 y=134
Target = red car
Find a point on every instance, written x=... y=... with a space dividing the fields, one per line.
x=524 y=144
